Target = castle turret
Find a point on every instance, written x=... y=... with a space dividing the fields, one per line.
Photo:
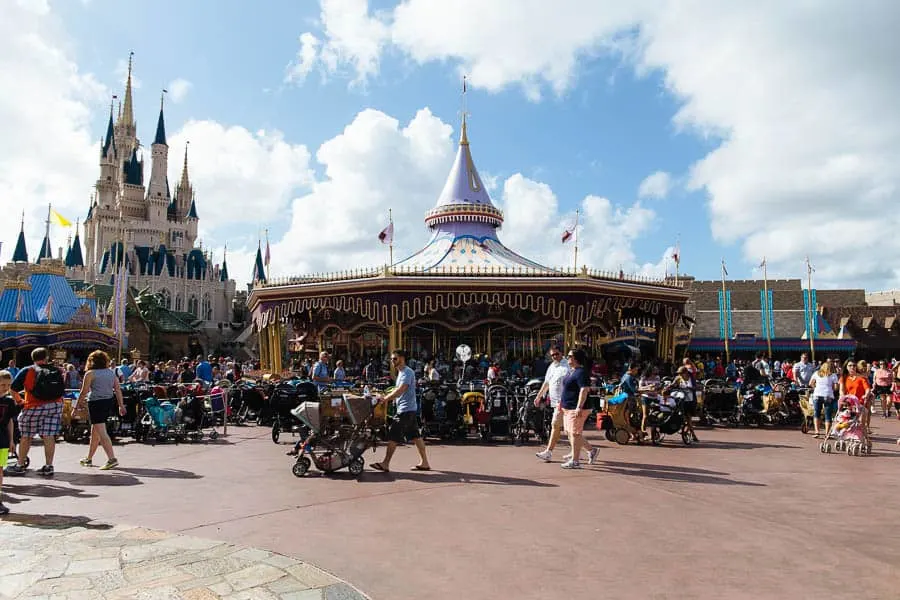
x=158 y=189
x=20 y=254
x=126 y=126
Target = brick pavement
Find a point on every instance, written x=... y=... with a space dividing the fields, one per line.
x=67 y=558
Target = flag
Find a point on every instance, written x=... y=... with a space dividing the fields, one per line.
x=268 y=253
x=676 y=254
x=724 y=270
x=19 y=305
x=386 y=236
x=568 y=234
x=762 y=265
x=464 y=84
x=58 y=219
x=46 y=313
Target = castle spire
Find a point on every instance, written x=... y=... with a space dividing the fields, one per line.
x=185 y=180
x=110 y=141
x=128 y=108
x=161 y=123
x=46 y=250
x=74 y=257
x=20 y=254
x=223 y=274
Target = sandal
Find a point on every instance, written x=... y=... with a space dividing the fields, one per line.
x=380 y=467
x=421 y=468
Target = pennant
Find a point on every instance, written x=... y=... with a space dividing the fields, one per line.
x=58 y=219
x=724 y=270
x=386 y=236
x=20 y=304
x=676 y=254
x=268 y=257
x=762 y=265
x=568 y=235
x=46 y=312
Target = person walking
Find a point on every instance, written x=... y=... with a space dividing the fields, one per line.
x=100 y=388
x=883 y=380
x=552 y=389
x=575 y=389
x=405 y=426
x=8 y=401
x=44 y=387
x=823 y=383
x=803 y=371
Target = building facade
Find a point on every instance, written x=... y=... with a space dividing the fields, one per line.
x=139 y=225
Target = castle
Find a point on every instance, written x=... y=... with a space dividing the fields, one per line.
x=143 y=228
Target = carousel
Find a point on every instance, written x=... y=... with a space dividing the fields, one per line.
x=463 y=287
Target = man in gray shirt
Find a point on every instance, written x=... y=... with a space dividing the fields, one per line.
x=405 y=426
x=803 y=371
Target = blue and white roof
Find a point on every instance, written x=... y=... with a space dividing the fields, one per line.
x=464 y=222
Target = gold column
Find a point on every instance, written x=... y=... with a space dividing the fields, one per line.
x=665 y=341
x=275 y=348
x=263 y=338
x=394 y=333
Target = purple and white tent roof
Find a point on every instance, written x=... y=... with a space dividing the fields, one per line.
x=464 y=222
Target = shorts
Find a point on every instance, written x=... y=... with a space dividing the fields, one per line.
x=828 y=404
x=405 y=428
x=689 y=407
x=882 y=390
x=4 y=458
x=647 y=400
x=43 y=420
x=574 y=420
x=100 y=410
x=558 y=417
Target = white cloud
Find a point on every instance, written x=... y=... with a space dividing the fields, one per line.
x=656 y=185
x=48 y=152
x=305 y=60
x=178 y=89
x=799 y=100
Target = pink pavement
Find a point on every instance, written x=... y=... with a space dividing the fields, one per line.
x=748 y=513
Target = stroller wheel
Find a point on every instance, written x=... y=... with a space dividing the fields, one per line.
x=828 y=448
x=686 y=437
x=822 y=447
x=610 y=435
x=850 y=450
x=276 y=432
x=301 y=466
x=804 y=426
x=213 y=435
x=356 y=466
x=621 y=436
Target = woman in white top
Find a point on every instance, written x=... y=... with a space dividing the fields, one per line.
x=823 y=383
x=431 y=372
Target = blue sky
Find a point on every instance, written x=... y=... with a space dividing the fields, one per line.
x=641 y=95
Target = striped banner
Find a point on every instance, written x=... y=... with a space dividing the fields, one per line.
x=725 y=324
x=767 y=314
x=810 y=316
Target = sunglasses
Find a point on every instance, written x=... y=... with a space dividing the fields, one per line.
x=395 y=358
x=555 y=354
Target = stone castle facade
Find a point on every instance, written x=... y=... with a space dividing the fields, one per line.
x=143 y=227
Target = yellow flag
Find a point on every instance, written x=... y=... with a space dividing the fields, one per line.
x=58 y=219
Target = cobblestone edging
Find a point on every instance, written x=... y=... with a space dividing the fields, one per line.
x=72 y=558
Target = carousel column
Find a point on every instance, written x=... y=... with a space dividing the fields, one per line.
x=393 y=341
x=263 y=337
x=665 y=341
x=275 y=347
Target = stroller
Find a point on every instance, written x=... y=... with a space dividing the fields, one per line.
x=665 y=416
x=493 y=417
x=531 y=420
x=287 y=396
x=718 y=403
x=615 y=421
x=344 y=447
x=847 y=430
x=441 y=412
x=158 y=422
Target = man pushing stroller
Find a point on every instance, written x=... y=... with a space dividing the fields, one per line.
x=405 y=426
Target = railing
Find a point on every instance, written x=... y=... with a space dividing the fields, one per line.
x=446 y=271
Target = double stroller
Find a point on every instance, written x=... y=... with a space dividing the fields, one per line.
x=847 y=430
x=337 y=448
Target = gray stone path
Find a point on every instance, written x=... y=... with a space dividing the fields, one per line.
x=72 y=558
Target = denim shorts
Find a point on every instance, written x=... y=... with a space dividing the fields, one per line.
x=829 y=404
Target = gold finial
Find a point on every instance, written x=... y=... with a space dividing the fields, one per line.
x=185 y=182
x=464 y=138
x=128 y=111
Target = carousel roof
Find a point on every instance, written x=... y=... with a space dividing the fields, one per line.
x=464 y=223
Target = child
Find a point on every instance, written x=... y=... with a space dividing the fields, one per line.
x=844 y=416
x=8 y=401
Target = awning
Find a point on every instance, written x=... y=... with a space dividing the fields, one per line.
x=778 y=344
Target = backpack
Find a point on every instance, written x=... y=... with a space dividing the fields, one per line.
x=48 y=383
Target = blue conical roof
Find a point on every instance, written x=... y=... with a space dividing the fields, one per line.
x=259 y=270
x=20 y=254
x=110 y=141
x=74 y=257
x=223 y=274
x=46 y=252
x=192 y=213
x=160 y=129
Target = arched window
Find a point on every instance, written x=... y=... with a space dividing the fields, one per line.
x=179 y=303
x=166 y=298
x=207 y=308
x=192 y=306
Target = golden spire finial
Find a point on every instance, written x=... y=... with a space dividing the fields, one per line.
x=128 y=110
x=185 y=182
x=463 y=137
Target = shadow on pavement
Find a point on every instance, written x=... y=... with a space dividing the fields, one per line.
x=669 y=473
x=436 y=476
x=159 y=473
x=55 y=521
x=45 y=490
x=743 y=445
x=105 y=479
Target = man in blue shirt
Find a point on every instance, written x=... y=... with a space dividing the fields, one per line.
x=319 y=373
x=203 y=370
x=123 y=371
x=405 y=426
x=13 y=370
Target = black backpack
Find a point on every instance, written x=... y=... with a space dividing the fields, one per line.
x=48 y=383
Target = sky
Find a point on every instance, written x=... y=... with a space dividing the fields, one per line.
x=734 y=131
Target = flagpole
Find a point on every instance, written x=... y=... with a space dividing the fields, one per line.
x=766 y=314
x=811 y=334
x=677 y=257
x=120 y=322
x=391 y=244
x=725 y=312
x=576 y=239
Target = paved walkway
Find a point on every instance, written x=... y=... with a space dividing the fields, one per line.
x=66 y=558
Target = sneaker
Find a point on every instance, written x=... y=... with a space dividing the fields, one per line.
x=110 y=464
x=571 y=464
x=592 y=456
x=3 y=510
x=545 y=455
x=46 y=471
x=16 y=471
x=86 y=462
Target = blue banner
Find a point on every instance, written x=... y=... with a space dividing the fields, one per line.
x=767 y=314
x=725 y=325
x=810 y=314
